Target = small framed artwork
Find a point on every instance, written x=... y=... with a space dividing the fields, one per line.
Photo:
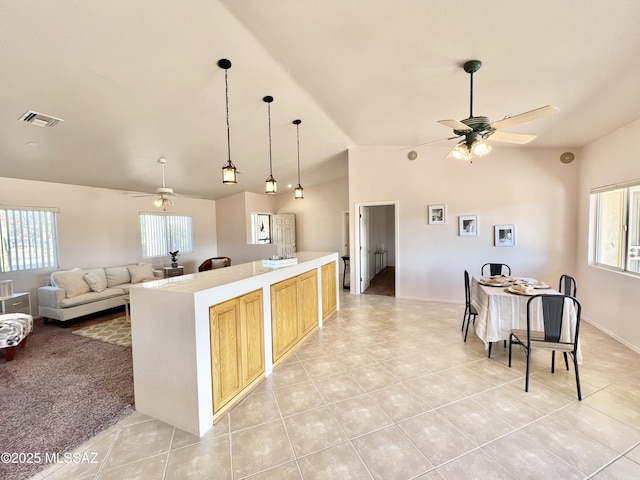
x=505 y=235
x=437 y=215
x=468 y=225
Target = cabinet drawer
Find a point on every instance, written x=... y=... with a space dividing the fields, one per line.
x=17 y=305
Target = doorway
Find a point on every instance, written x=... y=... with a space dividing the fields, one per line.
x=374 y=252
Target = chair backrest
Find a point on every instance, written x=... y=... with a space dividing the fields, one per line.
x=467 y=289
x=568 y=285
x=213 y=263
x=553 y=316
x=495 y=268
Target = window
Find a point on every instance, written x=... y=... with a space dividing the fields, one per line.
x=29 y=238
x=616 y=211
x=163 y=233
x=261 y=227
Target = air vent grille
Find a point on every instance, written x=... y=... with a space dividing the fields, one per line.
x=40 y=119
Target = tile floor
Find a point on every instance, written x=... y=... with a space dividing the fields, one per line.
x=388 y=390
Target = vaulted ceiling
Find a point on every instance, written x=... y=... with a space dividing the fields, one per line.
x=135 y=80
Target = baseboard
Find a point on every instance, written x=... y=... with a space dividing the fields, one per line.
x=611 y=334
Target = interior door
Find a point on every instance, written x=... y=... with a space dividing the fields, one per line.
x=364 y=249
x=284 y=233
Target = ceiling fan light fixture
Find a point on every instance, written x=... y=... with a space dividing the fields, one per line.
x=229 y=176
x=461 y=151
x=163 y=202
x=480 y=148
x=271 y=186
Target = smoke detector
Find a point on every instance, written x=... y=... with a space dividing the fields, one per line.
x=39 y=119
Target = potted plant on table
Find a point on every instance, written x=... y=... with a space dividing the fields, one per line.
x=174 y=258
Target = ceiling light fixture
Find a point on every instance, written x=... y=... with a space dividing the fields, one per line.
x=472 y=145
x=164 y=201
x=299 y=191
x=271 y=186
x=229 y=170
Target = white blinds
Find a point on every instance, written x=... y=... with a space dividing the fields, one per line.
x=29 y=238
x=162 y=233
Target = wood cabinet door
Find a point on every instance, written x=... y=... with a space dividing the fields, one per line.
x=329 y=304
x=252 y=339
x=308 y=301
x=226 y=361
x=284 y=316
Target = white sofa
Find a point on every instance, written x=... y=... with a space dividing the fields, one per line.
x=75 y=293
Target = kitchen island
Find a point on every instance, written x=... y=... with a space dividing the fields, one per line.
x=202 y=341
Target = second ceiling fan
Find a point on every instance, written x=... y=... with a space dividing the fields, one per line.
x=164 y=194
x=477 y=129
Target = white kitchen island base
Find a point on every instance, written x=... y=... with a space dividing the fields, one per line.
x=171 y=335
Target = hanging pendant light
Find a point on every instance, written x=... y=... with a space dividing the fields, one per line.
x=229 y=169
x=271 y=186
x=299 y=191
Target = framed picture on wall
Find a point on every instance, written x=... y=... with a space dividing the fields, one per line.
x=468 y=225
x=437 y=215
x=505 y=235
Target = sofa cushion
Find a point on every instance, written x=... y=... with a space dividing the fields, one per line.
x=141 y=272
x=72 y=281
x=117 y=276
x=91 y=297
x=96 y=282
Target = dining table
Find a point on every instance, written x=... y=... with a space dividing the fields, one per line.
x=502 y=306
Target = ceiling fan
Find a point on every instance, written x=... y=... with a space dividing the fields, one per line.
x=164 y=193
x=477 y=129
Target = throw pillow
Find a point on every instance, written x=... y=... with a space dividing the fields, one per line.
x=117 y=276
x=141 y=272
x=94 y=281
x=218 y=263
x=72 y=281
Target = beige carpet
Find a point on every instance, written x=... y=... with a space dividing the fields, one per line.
x=116 y=331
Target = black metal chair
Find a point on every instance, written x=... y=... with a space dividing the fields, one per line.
x=496 y=268
x=549 y=338
x=567 y=285
x=469 y=310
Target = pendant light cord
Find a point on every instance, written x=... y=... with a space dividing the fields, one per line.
x=270 y=163
x=298 y=139
x=226 y=96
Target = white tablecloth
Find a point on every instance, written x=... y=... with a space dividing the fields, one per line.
x=500 y=311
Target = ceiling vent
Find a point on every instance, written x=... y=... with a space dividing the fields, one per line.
x=40 y=119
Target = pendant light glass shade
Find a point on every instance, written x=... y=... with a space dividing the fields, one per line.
x=271 y=185
x=299 y=191
x=229 y=169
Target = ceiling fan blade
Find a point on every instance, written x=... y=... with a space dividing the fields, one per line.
x=137 y=194
x=184 y=195
x=455 y=125
x=509 y=137
x=429 y=143
x=526 y=117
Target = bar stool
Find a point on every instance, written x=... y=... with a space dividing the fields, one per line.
x=345 y=259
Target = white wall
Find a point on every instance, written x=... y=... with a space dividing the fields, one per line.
x=609 y=299
x=233 y=220
x=318 y=215
x=529 y=188
x=99 y=227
